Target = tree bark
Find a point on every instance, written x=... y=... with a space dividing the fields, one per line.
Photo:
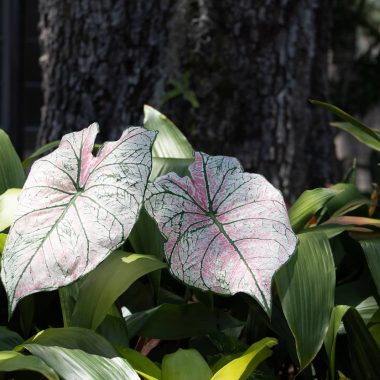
x=249 y=65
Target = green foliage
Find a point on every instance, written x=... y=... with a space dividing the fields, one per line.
x=128 y=318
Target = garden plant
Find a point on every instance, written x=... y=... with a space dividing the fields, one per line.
x=141 y=258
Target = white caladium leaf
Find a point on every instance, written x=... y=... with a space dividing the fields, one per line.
x=227 y=231
x=74 y=209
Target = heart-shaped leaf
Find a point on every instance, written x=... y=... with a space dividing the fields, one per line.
x=227 y=231
x=74 y=209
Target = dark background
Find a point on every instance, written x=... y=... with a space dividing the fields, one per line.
x=349 y=59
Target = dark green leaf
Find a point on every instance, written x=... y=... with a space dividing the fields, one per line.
x=100 y=289
x=364 y=352
x=8 y=339
x=177 y=321
x=185 y=365
x=330 y=338
x=11 y=172
x=371 y=248
x=306 y=287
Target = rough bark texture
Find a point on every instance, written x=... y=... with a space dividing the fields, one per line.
x=251 y=66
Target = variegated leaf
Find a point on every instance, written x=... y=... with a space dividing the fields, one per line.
x=227 y=231
x=74 y=209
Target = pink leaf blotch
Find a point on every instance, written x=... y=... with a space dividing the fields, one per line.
x=227 y=231
x=74 y=210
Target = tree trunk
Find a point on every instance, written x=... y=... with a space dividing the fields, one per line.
x=234 y=75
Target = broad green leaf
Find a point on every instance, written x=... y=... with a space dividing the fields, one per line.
x=3 y=239
x=162 y=166
x=374 y=327
x=241 y=367
x=11 y=172
x=351 y=206
x=171 y=151
x=74 y=210
x=73 y=338
x=8 y=205
x=68 y=296
x=100 y=289
x=170 y=142
x=185 y=365
x=227 y=231
x=371 y=248
x=364 y=352
x=145 y=236
x=347 y=199
x=354 y=220
x=367 y=309
x=306 y=286
x=141 y=364
x=74 y=364
x=14 y=361
x=352 y=126
x=8 y=339
x=172 y=322
x=330 y=338
x=308 y=204
x=330 y=230
x=39 y=152
x=114 y=328
x=363 y=134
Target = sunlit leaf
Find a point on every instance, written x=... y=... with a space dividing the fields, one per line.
x=306 y=286
x=227 y=231
x=308 y=204
x=11 y=172
x=74 y=210
x=241 y=367
x=171 y=149
x=14 y=361
x=352 y=126
x=141 y=364
x=3 y=239
x=354 y=220
x=73 y=338
x=74 y=364
x=374 y=327
x=8 y=205
x=185 y=365
x=170 y=142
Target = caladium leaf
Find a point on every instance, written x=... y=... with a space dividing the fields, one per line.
x=227 y=231
x=74 y=209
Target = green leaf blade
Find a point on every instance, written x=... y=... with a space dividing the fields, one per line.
x=306 y=288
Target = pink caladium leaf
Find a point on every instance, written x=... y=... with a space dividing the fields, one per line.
x=74 y=209
x=227 y=231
